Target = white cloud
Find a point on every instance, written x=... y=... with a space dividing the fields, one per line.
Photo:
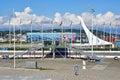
x=58 y=17
x=87 y=17
x=71 y=17
x=27 y=10
x=1 y=19
x=104 y=18
x=100 y=19
x=66 y=19
x=24 y=18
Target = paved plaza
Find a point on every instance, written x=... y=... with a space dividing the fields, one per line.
x=62 y=69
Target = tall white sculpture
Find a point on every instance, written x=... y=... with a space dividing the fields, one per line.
x=91 y=36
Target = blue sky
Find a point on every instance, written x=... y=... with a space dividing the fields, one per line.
x=60 y=10
x=50 y=7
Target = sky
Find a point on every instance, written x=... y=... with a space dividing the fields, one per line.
x=45 y=12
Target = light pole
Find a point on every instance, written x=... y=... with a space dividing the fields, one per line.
x=92 y=11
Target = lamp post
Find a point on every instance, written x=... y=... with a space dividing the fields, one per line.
x=92 y=11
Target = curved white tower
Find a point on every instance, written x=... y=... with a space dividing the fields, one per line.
x=93 y=40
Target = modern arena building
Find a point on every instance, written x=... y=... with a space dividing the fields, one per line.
x=50 y=37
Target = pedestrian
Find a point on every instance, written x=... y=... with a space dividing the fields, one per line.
x=7 y=57
x=76 y=70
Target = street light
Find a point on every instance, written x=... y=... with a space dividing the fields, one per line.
x=92 y=11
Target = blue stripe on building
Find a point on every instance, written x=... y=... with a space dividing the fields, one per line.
x=50 y=36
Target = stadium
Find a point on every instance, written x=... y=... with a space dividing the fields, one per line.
x=50 y=37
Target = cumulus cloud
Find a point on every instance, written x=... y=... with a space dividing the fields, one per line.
x=1 y=19
x=66 y=19
x=106 y=18
x=87 y=17
x=71 y=17
x=27 y=10
x=99 y=19
x=26 y=16
x=58 y=17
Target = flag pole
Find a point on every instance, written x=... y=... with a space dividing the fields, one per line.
x=110 y=36
x=71 y=32
x=14 y=41
x=80 y=35
x=31 y=35
x=92 y=34
x=9 y=35
x=53 y=41
x=14 y=48
x=96 y=35
x=116 y=30
x=42 y=48
x=20 y=34
x=104 y=33
x=62 y=31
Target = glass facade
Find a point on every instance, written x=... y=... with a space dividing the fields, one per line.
x=50 y=36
